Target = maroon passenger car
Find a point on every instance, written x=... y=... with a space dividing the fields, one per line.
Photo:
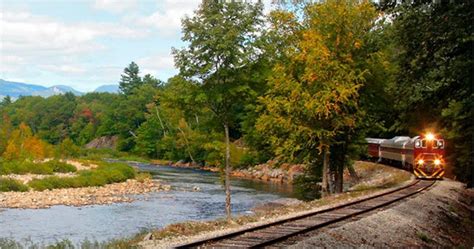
x=424 y=154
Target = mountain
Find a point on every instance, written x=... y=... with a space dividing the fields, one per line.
x=55 y=90
x=107 y=89
x=17 y=89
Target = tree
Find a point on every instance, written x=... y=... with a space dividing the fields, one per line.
x=434 y=81
x=23 y=144
x=67 y=149
x=130 y=79
x=6 y=129
x=221 y=37
x=312 y=102
x=6 y=101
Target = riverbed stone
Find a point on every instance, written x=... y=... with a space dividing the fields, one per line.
x=111 y=193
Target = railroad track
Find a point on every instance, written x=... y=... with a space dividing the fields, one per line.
x=275 y=232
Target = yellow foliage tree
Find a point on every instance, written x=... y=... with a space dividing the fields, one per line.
x=23 y=144
x=313 y=98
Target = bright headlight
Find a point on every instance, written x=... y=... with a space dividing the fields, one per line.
x=430 y=136
x=437 y=162
x=421 y=161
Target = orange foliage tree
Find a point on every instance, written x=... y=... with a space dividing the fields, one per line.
x=23 y=144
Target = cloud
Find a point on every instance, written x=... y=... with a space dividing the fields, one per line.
x=158 y=64
x=68 y=69
x=24 y=33
x=115 y=6
x=34 y=44
x=167 y=18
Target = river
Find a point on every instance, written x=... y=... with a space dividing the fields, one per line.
x=154 y=210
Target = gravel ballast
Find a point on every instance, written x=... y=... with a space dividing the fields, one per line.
x=440 y=217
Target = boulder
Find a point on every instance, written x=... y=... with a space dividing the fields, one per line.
x=105 y=142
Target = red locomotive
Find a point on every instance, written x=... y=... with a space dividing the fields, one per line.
x=424 y=154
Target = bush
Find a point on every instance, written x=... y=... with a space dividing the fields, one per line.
x=60 y=167
x=247 y=159
x=141 y=177
x=106 y=173
x=24 y=167
x=7 y=185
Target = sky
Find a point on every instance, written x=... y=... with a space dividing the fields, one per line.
x=87 y=43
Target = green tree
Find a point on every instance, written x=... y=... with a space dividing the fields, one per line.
x=221 y=37
x=6 y=129
x=67 y=149
x=434 y=81
x=6 y=101
x=312 y=106
x=130 y=79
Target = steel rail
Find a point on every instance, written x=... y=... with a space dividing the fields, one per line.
x=263 y=242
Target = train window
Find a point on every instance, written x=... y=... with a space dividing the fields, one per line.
x=440 y=144
x=423 y=143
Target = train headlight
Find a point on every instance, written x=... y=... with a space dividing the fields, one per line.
x=421 y=162
x=430 y=136
x=437 y=162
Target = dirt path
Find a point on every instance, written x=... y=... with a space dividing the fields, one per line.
x=437 y=218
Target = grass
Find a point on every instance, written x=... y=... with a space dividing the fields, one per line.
x=7 y=185
x=142 y=176
x=106 y=173
x=29 y=167
x=382 y=176
x=100 y=154
x=423 y=237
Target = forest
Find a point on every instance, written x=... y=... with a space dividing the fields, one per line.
x=305 y=83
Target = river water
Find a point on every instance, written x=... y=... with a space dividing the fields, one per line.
x=154 y=210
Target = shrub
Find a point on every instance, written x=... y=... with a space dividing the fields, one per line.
x=60 y=167
x=7 y=185
x=247 y=159
x=141 y=177
x=24 y=167
x=106 y=173
x=50 y=183
x=38 y=168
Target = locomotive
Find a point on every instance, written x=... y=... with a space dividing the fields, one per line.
x=423 y=155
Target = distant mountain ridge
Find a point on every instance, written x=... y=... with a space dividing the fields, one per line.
x=17 y=89
x=108 y=89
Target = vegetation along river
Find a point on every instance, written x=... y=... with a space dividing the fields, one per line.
x=105 y=222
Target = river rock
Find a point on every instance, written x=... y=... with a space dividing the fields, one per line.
x=111 y=193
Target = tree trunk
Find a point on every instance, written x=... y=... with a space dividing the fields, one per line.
x=161 y=122
x=187 y=144
x=339 y=183
x=352 y=172
x=227 y=174
x=325 y=182
x=197 y=119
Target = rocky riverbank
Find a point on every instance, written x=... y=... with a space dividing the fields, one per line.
x=269 y=171
x=108 y=194
x=285 y=173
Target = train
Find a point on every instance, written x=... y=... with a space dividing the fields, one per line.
x=424 y=155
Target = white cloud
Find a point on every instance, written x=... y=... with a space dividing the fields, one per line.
x=23 y=33
x=33 y=44
x=168 y=18
x=115 y=6
x=156 y=64
x=68 y=69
